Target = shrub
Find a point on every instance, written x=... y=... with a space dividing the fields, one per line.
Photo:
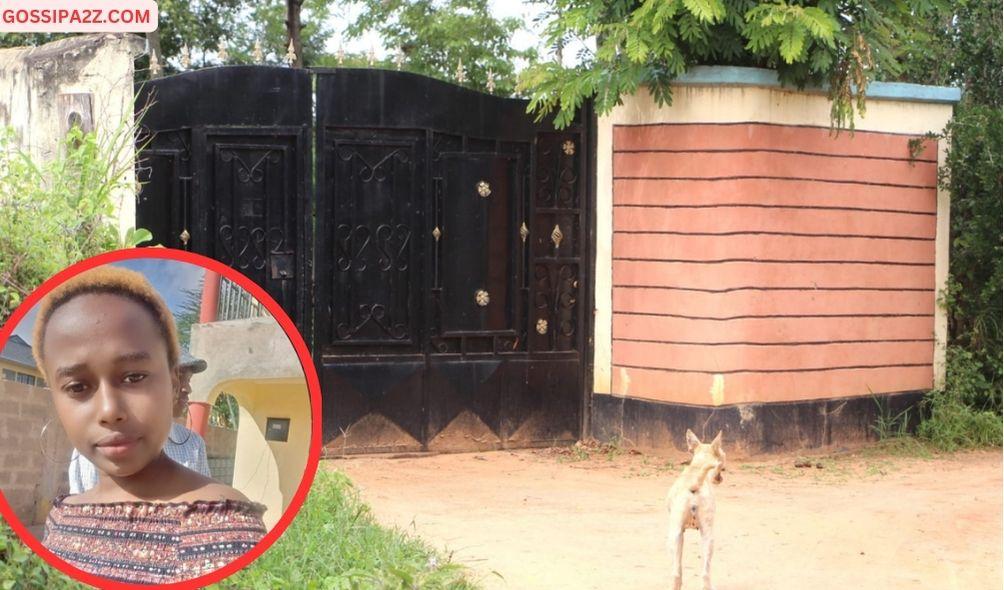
x=958 y=416
x=59 y=212
x=335 y=544
x=21 y=569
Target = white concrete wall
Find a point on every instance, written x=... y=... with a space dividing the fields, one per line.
x=253 y=360
x=32 y=80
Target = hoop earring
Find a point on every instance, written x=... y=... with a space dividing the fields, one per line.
x=41 y=445
x=172 y=441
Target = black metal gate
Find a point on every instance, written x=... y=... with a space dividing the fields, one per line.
x=437 y=264
x=226 y=173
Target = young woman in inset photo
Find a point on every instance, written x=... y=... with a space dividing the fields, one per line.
x=107 y=345
x=183 y=445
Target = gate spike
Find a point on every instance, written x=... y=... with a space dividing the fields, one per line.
x=461 y=75
x=221 y=50
x=186 y=56
x=154 y=65
x=290 y=53
x=372 y=56
x=399 y=58
x=257 y=54
x=341 y=55
x=491 y=81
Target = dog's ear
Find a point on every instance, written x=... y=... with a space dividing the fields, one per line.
x=692 y=440
x=716 y=445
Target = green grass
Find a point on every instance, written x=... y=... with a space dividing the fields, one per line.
x=651 y=467
x=21 y=569
x=888 y=425
x=574 y=454
x=952 y=424
x=334 y=543
x=900 y=446
x=947 y=423
x=588 y=449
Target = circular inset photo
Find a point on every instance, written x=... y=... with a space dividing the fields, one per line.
x=160 y=420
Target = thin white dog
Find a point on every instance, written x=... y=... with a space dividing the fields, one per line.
x=691 y=504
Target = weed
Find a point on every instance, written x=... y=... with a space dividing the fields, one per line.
x=21 y=569
x=888 y=425
x=335 y=543
x=952 y=424
x=60 y=211
x=901 y=446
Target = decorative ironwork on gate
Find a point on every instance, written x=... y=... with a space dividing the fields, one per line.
x=433 y=251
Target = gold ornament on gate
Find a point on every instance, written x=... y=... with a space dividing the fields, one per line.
x=484 y=189
x=557 y=236
x=568 y=147
x=542 y=326
x=481 y=297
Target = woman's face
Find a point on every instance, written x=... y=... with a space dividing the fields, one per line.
x=112 y=385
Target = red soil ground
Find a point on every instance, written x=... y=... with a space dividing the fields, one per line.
x=554 y=519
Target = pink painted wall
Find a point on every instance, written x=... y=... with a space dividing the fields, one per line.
x=794 y=264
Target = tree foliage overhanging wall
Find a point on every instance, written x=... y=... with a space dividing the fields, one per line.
x=966 y=52
x=842 y=43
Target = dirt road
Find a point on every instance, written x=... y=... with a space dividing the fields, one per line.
x=553 y=519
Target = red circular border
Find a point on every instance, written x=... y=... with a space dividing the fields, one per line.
x=313 y=386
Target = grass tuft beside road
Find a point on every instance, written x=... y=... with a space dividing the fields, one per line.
x=335 y=544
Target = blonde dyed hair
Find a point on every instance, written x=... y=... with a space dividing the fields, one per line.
x=110 y=280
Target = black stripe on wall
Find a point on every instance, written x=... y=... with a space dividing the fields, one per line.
x=755 y=177
x=759 y=288
x=770 y=151
x=807 y=370
x=775 y=316
x=766 y=233
x=772 y=343
x=773 y=261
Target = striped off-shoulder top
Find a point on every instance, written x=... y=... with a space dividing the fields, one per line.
x=153 y=542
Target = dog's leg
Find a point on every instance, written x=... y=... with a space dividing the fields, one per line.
x=707 y=549
x=675 y=546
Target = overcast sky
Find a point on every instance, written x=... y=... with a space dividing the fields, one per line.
x=342 y=15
